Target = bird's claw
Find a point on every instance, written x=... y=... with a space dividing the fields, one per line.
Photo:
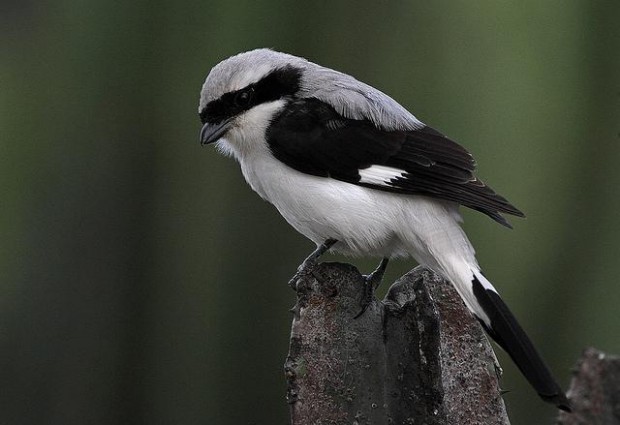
x=310 y=263
x=371 y=283
x=304 y=269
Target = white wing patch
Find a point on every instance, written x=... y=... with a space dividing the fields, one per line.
x=379 y=174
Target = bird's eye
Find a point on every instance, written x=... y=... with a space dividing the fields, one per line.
x=243 y=99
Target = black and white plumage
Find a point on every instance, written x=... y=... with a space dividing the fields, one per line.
x=342 y=161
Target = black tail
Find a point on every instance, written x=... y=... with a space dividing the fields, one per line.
x=511 y=337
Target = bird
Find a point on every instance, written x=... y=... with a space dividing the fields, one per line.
x=355 y=172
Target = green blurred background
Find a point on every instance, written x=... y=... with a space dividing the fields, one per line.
x=142 y=282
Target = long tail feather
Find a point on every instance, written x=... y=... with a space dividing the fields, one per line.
x=503 y=327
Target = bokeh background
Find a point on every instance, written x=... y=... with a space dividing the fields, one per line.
x=141 y=280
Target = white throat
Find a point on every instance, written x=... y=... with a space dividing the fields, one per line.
x=246 y=139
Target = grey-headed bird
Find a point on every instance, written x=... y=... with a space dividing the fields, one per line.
x=355 y=172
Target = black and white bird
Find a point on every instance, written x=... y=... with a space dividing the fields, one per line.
x=355 y=172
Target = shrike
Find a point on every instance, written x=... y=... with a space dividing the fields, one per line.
x=355 y=172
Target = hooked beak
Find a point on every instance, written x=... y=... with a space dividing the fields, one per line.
x=213 y=132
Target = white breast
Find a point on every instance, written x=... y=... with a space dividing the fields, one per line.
x=365 y=221
x=322 y=208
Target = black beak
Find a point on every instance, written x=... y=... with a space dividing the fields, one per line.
x=213 y=132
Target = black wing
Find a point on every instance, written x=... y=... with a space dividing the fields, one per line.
x=311 y=137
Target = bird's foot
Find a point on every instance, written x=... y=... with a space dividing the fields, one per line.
x=310 y=263
x=371 y=283
x=496 y=366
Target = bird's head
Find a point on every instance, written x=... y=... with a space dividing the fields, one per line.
x=242 y=94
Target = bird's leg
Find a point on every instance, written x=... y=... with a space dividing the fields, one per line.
x=498 y=368
x=311 y=261
x=371 y=283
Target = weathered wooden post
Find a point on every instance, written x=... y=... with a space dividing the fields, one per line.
x=594 y=390
x=417 y=357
